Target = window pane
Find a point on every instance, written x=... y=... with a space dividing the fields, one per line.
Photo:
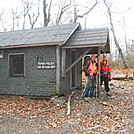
x=16 y=65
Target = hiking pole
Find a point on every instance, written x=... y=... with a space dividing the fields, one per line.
x=96 y=86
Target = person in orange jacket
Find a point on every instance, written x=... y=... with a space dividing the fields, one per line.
x=105 y=74
x=91 y=71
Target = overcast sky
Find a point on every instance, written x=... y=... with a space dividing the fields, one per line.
x=122 y=12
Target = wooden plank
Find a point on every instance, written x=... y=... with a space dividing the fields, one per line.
x=77 y=60
x=98 y=84
x=58 y=70
x=31 y=45
x=83 y=46
x=63 y=62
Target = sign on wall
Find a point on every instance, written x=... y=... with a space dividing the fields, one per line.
x=46 y=65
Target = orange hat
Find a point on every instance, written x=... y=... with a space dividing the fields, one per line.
x=104 y=60
x=93 y=55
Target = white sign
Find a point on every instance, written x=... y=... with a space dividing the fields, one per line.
x=46 y=65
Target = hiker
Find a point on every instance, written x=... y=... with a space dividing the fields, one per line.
x=86 y=60
x=91 y=71
x=105 y=73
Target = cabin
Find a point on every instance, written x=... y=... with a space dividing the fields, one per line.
x=47 y=61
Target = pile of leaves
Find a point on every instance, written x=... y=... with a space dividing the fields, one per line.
x=86 y=116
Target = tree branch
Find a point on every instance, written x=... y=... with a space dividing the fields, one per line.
x=63 y=9
x=76 y=16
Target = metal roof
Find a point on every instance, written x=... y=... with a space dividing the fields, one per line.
x=88 y=38
x=51 y=35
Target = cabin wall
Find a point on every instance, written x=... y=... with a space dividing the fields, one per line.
x=38 y=82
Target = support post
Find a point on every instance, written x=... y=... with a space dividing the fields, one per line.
x=58 y=70
x=63 y=62
x=98 y=84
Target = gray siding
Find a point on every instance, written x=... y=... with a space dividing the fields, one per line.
x=41 y=82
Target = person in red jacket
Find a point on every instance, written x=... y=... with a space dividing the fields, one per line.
x=105 y=73
x=91 y=71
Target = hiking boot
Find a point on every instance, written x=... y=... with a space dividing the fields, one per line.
x=86 y=95
x=108 y=95
x=91 y=95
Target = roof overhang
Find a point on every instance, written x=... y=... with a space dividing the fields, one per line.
x=98 y=37
x=32 y=45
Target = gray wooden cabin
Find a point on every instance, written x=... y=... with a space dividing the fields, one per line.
x=47 y=61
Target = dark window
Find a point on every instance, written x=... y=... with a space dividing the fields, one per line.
x=16 y=65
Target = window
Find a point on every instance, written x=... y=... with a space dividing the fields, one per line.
x=16 y=65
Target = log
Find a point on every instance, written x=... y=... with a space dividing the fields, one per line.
x=68 y=103
x=122 y=78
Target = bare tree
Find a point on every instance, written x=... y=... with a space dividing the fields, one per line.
x=113 y=31
x=30 y=12
x=125 y=37
x=2 y=21
x=1 y=16
x=76 y=16
x=62 y=10
x=26 y=7
x=15 y=18
x=46 y=14
x=33 y=17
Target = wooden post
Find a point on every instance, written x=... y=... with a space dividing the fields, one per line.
x=98 y=84
x=58 y=70
x=63 y=62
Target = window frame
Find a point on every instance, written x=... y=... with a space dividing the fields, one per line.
x=16 y=75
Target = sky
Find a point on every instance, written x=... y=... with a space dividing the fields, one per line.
x=122 y=13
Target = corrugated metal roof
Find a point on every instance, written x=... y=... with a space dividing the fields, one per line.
x=44 y=35
x=88 y=37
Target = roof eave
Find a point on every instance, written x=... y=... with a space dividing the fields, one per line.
x=31 y=45
x=83 y=46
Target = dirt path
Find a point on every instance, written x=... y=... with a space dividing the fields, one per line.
x=21 y=115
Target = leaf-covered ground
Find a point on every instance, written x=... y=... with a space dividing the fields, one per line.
x=24 y=115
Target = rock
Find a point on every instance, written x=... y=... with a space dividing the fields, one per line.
x=105 y=103
x=106 y=118
x=115 y=107
x=111 y=97
x=121 y=131
x=98 y=126
x=87 y=99
x=73 y=123
x=57 y=101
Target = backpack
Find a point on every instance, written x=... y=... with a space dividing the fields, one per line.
x=86 y=60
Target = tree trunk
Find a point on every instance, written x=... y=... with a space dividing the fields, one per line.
x=115 y=39
x=46 y=16
x=44 y=12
